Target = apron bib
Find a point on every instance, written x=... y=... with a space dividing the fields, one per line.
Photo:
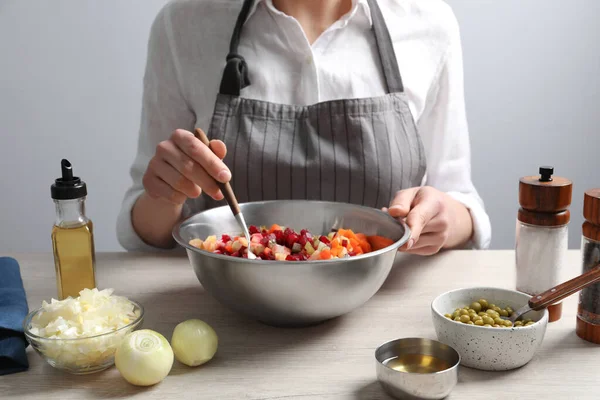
x=358 y=151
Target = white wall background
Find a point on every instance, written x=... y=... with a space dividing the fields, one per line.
x=70 y=87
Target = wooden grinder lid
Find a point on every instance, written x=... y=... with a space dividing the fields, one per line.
x=591 y=213
x=545 y=199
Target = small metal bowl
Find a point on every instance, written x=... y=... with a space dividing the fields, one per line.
x=416 y=369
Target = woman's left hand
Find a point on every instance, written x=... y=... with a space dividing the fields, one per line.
x=436 y=220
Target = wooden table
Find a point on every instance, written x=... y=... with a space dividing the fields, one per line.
x=330 y=361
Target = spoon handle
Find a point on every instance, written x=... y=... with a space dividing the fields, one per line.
x=565 y=289
x=225 y=187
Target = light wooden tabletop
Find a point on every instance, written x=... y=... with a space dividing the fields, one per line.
x=330 y=361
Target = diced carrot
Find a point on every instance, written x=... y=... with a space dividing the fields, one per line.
x=274 y=228
x=325 y=254
x=355 y=244
x=347 y=233
x=379 y=242
x=335 y=243
x=335 y=251
x=360 y=236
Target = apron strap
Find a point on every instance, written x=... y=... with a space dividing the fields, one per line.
x=385 y=46
x=235 y=75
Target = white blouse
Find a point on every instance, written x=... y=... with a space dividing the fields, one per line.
x=189 y=41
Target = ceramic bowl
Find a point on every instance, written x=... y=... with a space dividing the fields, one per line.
x=488 y=348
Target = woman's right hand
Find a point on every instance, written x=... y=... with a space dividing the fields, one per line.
x=183 y=167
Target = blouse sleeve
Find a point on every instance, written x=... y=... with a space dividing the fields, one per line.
x=446 y=139
x=164 y=109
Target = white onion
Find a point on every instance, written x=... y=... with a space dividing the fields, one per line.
x=194 y=342
x=144 y=357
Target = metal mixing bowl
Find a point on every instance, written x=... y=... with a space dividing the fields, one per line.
x=290 y=293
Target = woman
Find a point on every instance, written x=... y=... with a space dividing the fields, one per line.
x=310 y=104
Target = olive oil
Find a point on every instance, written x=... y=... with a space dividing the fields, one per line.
x=74 y=259
x=72 y=236
x=417 y=364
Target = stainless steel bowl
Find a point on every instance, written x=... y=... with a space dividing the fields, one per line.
x=287 y=293
x=417 y=369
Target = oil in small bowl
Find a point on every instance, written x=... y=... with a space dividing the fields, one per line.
x=416 y=368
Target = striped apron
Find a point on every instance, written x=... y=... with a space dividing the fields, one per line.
x=357 y=151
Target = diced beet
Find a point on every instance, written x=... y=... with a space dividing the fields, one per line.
x=236 y=254
x=264 y=232
x=344 y=242
x=324 y=240
x=290 y=258
x=253 y=229
x=302 y=241
x=291 y=239
x=309 y=236
x=351 y=253
x=279 y=237
x=225 y=238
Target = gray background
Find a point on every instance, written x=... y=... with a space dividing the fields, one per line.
x=70 y=86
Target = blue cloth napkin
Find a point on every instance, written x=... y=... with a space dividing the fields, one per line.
x=13 y=310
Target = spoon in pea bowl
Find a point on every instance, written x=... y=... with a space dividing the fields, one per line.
x=227 y=191
x=557 y=293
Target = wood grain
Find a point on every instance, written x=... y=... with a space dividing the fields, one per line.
x=332 y=361
x=226 y=188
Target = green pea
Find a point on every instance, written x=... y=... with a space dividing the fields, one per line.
x=479 y=322
x=457 y=319
x=448 y=316
x=472 y=311
x=470 y=323
x=508 y=323
x=499 y=321
x=509 y=310
x=488 y=321
x=483 y=302
x=464 y=318
x=464 y=312
x=476 y=306
x=476 y=318
x=491 y=306
x=518 y=323
x=496 y=326
x=504 y=313
x=482 y=314
x=529 y=323
x=488 y=325
x=493 y=313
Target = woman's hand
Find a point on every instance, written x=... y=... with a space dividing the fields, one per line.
x=436 y=220
x=183 y=167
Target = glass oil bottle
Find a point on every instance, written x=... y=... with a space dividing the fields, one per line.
x=72 y=236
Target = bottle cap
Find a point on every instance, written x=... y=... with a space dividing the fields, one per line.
x=68 y=187
x=545 y=193
x=591 y=206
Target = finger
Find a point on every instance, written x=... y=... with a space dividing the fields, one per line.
x=200 y=153
x=218 y=147
x=429 y=240
x=168 y=174
x=424 y=251
x=188 y=168
x=436 y=225
x=424 y=210
x=401 y=204
x=158 y=189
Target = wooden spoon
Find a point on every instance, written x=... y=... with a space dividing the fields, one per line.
x=229 y=197
x=557 y=293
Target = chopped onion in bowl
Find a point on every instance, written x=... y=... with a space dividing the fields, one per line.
x=83 y=332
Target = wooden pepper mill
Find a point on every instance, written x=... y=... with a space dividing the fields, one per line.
x=542 y=233
x=588 y=310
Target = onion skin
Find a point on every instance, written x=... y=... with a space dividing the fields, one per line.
x=194 y=342
x=144 y=357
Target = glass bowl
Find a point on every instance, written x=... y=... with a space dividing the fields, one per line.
x=84 y=355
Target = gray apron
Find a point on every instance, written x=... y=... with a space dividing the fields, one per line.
x=358 y=151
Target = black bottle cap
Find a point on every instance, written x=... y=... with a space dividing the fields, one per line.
x=546 y=173
x=68 y=187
